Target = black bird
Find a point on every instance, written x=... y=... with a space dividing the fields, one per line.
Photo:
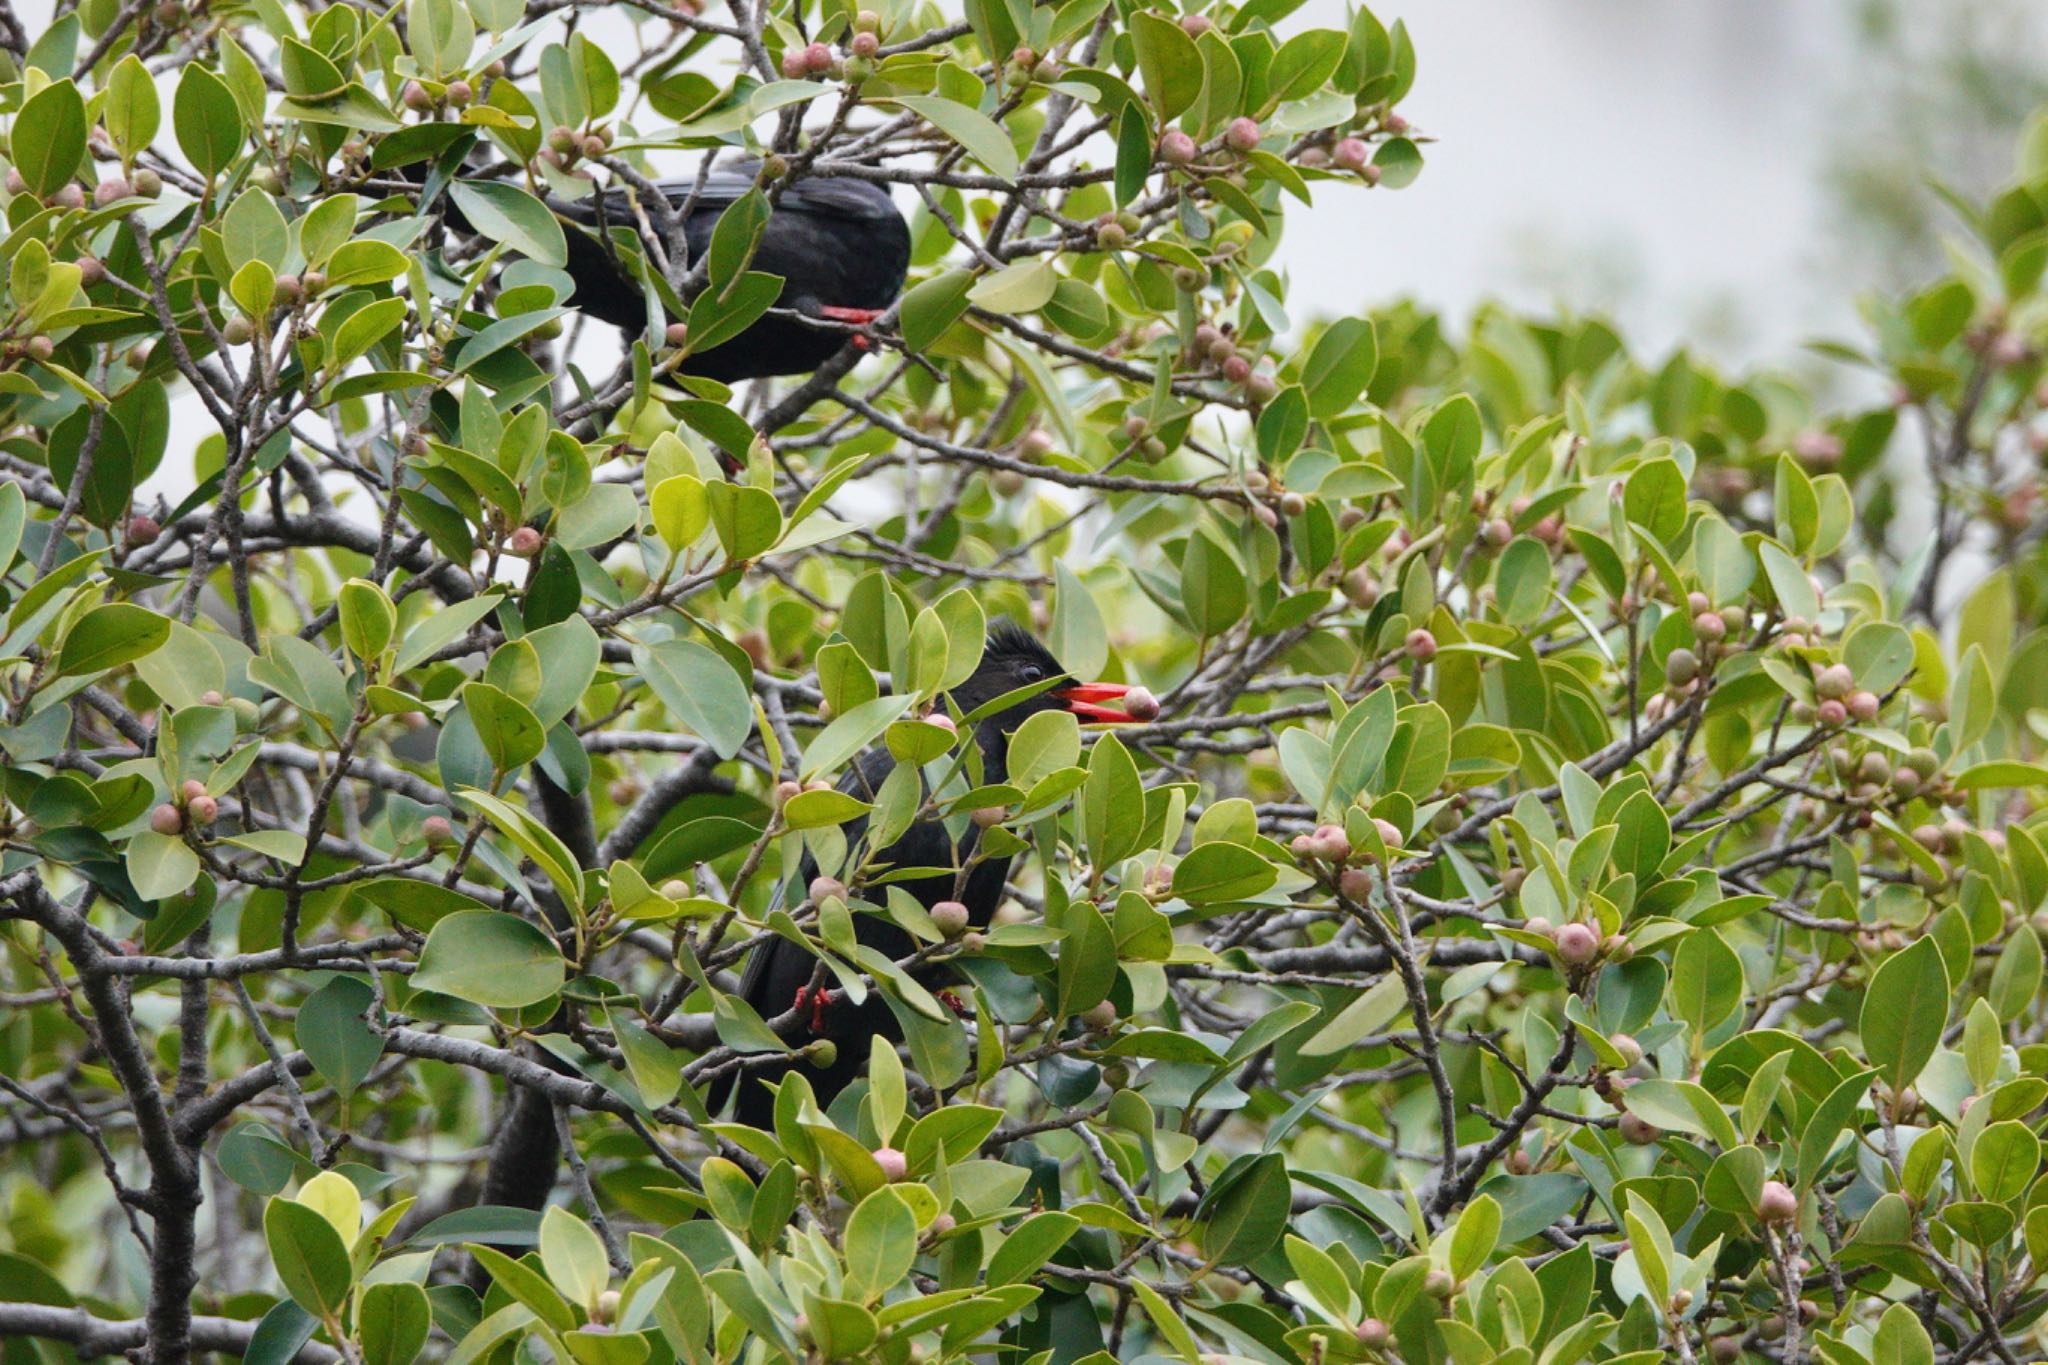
x=839 y=244
x=779 y=973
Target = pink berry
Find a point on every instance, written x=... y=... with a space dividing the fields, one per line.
x=893 y=1163
x=785 y=792
x=943 y=721
x=818 y=58
x=794 y=67
x=1638 y=1130
x=1356 y=883
x=1373 y=1334
x=204 y=810
x=865 y=44
x=1242 y=135
x=1831 y=714
x=437 y=830
x=1834 y=682
x=1176 y=148
x=951 y=917
x=167 y=819
x=988 y=817
x=143 y=529
x=1777 y=1203
x=1332 y=843
x=1863 y=706
x=1577 y=944
x=1421 y=645
x=1389 y=832
x=1350 y=154
x=524 y=543
x=193 y=789
x=823 y=889
x=1140 y=704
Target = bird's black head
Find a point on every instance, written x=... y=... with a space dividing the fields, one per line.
x=1011 y=659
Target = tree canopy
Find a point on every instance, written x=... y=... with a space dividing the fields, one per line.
x=1580 y=898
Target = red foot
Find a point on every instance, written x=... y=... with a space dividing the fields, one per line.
x=861 y=343
x=953 y=1002
x=860 y=317
x=820 y=999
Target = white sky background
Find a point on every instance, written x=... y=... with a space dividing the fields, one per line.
x=1661 y=161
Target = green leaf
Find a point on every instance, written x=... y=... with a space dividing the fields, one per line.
x=1904 y=1009
x=1374 y=1008
x=208 y=121
x=1340 y=366
x=982 y=138
x=932 y=306
x=1169 y=63
x=1024 y=287
x=368 y=620
x=1112 y=804
x=512 y=735
x=334 y=1035
x=49 y=137
x=1246 y=1211
x=573 y=1256
x=507 y=214
x=881 y=1244
x=701 y=690
x=748 y=519
x=1473 y=1236
x=490 y=958
x=1216 y=872
x=311 y=1260
x=1900 y=1339
x=110 y=635
x=393 y=1318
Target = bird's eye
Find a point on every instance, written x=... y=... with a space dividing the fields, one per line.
x=1031 y=673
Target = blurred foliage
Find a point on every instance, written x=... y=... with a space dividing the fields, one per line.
x=1581 y=898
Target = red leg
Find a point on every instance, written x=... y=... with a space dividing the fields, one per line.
x=819 y=1001
x=860 y=317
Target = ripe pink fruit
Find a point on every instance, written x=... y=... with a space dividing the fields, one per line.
x=1356 y=884
x=112 y=190
x=786 y=791
x=143 y=529
x=1577 y=944
x=1834 y=682
x=1100 y=1016
x=1242 y=135
x=1390 y=833
x=865 y=44
x=950 y=917
x=943 y=721
x=1140 y=704
x=1776 y=1203
x=193 y=789
x=818 y=58
x=167 y=819
x=1832 y=714
x=677 y=334
x=1638 y=1130
x=1330 y=842
x=1176 y=148
x=893 y=1163
x=1373 y=1334
x=1421 y=645
x=204 y=810
x=524 y=543
x=827 y=888
x=794 y=67
x=1350 y=154
x=437 y=830
x=1863 y=706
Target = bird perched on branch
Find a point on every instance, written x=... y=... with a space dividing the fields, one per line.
x=839 y=244
x=781 y=976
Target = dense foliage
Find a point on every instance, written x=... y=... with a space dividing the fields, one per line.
x=1581 y=897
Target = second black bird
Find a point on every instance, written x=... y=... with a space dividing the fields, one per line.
x=779 y=974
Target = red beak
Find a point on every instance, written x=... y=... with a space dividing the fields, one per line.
x=1084 y=699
